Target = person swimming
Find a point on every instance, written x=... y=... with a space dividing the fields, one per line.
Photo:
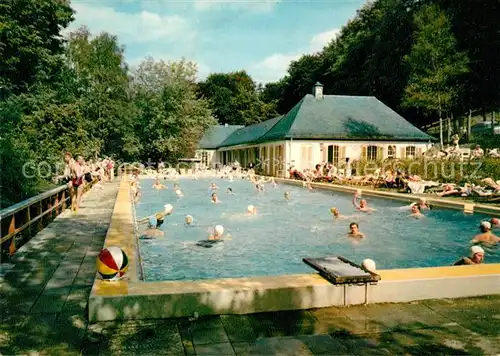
x=177 y=186
x=354 y=231
x=159 y=217
x=158 y=185
x=476 y=257
x=188 y=219
x=152 y=230
x=229 y=191
x=495 y=222
x=287 y=195
x=252 y=210
x=215 y=199
x=369 y=265
x=179 y=193
x=213 y=186
x=218 y=233
x=486 y=237
x=363 y=205
x=422 y=204
x=337 y=216
x=415 y=212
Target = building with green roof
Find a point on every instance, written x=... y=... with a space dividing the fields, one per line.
x=213 y=138
x=325 y=128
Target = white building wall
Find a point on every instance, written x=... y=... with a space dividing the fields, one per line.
x=209 y=160
x=306 y=154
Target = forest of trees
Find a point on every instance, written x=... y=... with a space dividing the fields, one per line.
x=427 y=59
x=419 y=57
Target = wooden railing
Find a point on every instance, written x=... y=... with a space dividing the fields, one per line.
x=21 y=221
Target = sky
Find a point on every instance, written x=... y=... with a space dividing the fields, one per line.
x=259 y=36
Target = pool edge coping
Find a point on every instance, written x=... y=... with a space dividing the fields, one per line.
x=121 y=233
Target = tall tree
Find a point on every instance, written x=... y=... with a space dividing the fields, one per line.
x=434 y=63
x=235 y=100
x=30 y=45
x=171 y=119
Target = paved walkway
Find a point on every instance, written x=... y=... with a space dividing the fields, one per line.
x=44 y=301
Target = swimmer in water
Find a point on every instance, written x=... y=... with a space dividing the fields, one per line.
x=422 y=204
x=337 y=216
x=213 y=186
x=188 y=219
x=152 y=231
x=486 y=237
x=179 y=193
x=354 y=231
x=158 y=185
x=177 y=186
x=362 y=206
x=415 y=212
x=252 y=210
x=287 y=195
x=160 y=216
x=229 y=191
x=476 y=257
x=214 y=198
x=218 y=234
x=495 y=222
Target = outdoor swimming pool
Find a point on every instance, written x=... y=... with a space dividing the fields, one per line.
x=283 y=232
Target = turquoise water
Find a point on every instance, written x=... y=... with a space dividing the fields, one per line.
x=283 y=232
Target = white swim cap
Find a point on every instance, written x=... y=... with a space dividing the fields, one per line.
x=168 y=208
x=250 y=208
x=178 y=192
x=486 y=225
x=189 y=219
x=219 y=230
x=369 y=265
x=476 y=249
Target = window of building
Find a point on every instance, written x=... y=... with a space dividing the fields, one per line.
x=334 y=155
x=204 y=158
x=410 y=151
x=391 y=151
x=371 y=153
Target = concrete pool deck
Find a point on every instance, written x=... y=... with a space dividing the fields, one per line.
x=135 y=299
x=44 y=299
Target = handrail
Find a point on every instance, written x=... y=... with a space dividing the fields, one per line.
x=20 y=218
x=4 y=213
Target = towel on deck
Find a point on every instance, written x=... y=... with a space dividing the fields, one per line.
x=419 y=187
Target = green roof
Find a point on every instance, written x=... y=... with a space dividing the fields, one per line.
x=250 y=134
x=339 y=117
x=215 y=135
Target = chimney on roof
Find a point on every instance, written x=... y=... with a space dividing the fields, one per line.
x=318 y=90
x=226 y=125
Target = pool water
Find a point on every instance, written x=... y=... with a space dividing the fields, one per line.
x=283 y=232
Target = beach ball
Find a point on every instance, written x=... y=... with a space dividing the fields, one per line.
x=112 y=263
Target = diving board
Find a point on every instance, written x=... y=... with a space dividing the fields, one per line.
x=339 y=270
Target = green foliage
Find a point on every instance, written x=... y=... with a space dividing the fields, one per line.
x=235 y=100
x=434 y=62
x=80 y=97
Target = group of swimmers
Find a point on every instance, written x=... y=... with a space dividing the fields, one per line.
x=156 y=220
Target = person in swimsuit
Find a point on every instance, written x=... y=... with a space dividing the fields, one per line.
x=158 y=185
x=363 y=206
x=486 y=237
x=415 y=212
x=476 y=257
x=77 y=183
x=214 y=198
x=354 y=231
